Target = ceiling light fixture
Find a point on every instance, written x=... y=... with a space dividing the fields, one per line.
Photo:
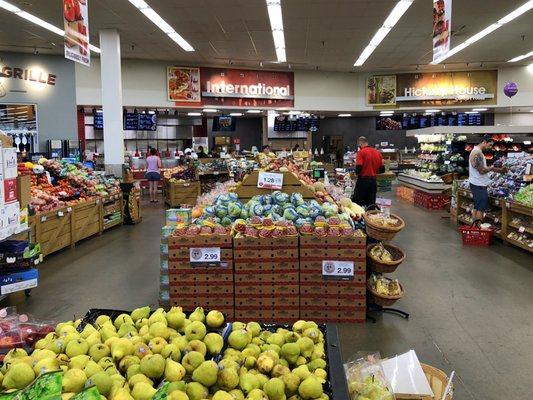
x=254 y=111
x=194 y=114
x=293 y=112
x=158 y=21
x=432 y=111
x=276 y=24
x=235 y=114
x=471 y=112
x=345 y=115
x=209 y=110
x=38 y=21
x=522 y=57
x=401 y=7
x=479 y=109
x=489 y=29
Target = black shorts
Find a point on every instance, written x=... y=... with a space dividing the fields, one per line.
x=152 y=176
x=481 y=197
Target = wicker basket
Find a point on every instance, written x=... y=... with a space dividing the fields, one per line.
x=379 y=232
x=383 y=300
x=385 y=267
x=447 y=178
x=437 y=381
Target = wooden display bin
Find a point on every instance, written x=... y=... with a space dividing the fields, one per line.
x=181 y=193
x=53 y=230
x=291 y=184
x=111 y=205
x=86 y=218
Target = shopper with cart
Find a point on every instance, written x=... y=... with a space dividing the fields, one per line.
x=368 y=164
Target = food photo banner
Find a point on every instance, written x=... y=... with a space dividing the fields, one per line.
x=76 y=23
x=433 y=89
x=230 y=87
x=442 y=28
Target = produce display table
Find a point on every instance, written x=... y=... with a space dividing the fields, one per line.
x=426 y=194
x=178 y=193
x=291 y=184
x=423 y=185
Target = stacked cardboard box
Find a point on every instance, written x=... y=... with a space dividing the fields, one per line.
x=266 y=279
x=208 y=286
x=164 y=295
x=326 y=298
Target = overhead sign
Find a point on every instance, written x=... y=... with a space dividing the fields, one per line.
x=434 y=89
x=76 y=22
x=183 y=84
x=442 y=28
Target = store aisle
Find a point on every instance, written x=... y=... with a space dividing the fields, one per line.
x=470 y=307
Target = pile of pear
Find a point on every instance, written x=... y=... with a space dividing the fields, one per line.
x=125 y=358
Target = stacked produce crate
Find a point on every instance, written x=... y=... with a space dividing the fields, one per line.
x=197 y=276
x=266 y=279
x=332 y=278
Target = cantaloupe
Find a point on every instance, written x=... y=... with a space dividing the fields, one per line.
x=345 y=202
x=319 y=187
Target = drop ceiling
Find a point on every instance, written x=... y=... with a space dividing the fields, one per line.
x=326 y=35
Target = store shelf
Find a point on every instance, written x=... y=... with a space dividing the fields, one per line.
x=111 y=224
x=519 y=244
x=517 y=227
x=519 y=208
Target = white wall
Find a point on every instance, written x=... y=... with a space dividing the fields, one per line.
x=144 y=85
x=519 y=119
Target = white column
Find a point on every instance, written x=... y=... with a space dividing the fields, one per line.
x=111 y=76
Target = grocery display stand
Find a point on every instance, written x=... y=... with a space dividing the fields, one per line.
x=291 y=184
x=178 y=193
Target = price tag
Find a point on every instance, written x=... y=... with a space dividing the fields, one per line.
x=69 y=209
x=60 y=213
x=447 y=162
x=270 y=180
x=337 y=270
x=496 y=220
x=43 y=218
x=468 y=209
x=204 y=256
x=216 y=173
x=448 y=142
x=521 y=229
x=18 y=286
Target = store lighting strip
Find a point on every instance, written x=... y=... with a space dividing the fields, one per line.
x=522 y=57
x=397 y=12
x=479 y=109
x=194 y=114
x=38 y=21
x=254 y=111
x=276 y=24
x=489 y=29
x=158 y=21
x=344 y=115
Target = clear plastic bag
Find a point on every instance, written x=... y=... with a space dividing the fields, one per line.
x=366 y=379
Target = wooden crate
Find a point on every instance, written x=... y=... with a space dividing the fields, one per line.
x=86 y=220
x=53 y=230
x=291 y=184
x=181 y=193
x=109 y=205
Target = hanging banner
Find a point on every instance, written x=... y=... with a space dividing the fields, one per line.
x=183 y=84
x=76 y=22
x=442 y=28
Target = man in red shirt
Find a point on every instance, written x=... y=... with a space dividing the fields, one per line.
x=369 y=163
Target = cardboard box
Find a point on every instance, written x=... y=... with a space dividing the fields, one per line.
x=10 y=190
x=12 y=217
x=24 y=190
x=9 y=162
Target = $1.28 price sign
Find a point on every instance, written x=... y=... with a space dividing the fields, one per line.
x=204 y=256
x=337 y=270
x=270 y=180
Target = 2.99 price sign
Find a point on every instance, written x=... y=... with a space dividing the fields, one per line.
x=204 y=256
x=270 y=180
x=337 y=270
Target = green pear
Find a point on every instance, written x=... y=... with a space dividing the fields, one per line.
x=291 y=337
x=144 y=330
x=237 y=394
x=197 y=345
x=62 y=359
x=302 y=372
x=171 y=351
x=254 y=328
x=122 y=394
x=221 y=395
x=300 y=361
x=279 y=370
x=87 y=331
x=18 y=376
x=313 y=334
x=143 y=391
x=140 y=313
x=298 y=326
x=101 y=320
x=140 y=350
x=39 y=355
x=108 y=325
x=237 y=326
x=181 y=342
x=275 y=389
x=41 y=343
x=214 y=343
x=57 y=346
x=69 y=337
x=196 y=391
x=103 y=382
x=277 y=339
x=250 y=362
x=94 y=338
x=195 y=330
x=197 y=315
x=106 y=333
x=136 y=339
x=251 y=350
x=292 y=381
x=310 y=388
x=140 y=323
x=153 y=366
x=306 y=346
x=206 y=373
x=178 y=395
x=318 y=363
x=120 y=349
x=133 y=370
x=139 y=378
x=99 y=351
x=65 y=328
x=127 y=362
x=106 y=362
x=92 y=368
x=192 y=360
x=291 y=352
x=159 y=329
x=228 y=363
x=239 y=339
x=79 y=362
x=176 y=318
x=248 y=382
x=228 y=378
x=127 y=330
x=74 y=380
x=256 y=394
x=157 y=316
x=265 y=364
x=157 y=345
x=122 y=319
x=214 y=319
x=177 y=386
x=174 y=371
x=321 y=373
x=45 y=365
